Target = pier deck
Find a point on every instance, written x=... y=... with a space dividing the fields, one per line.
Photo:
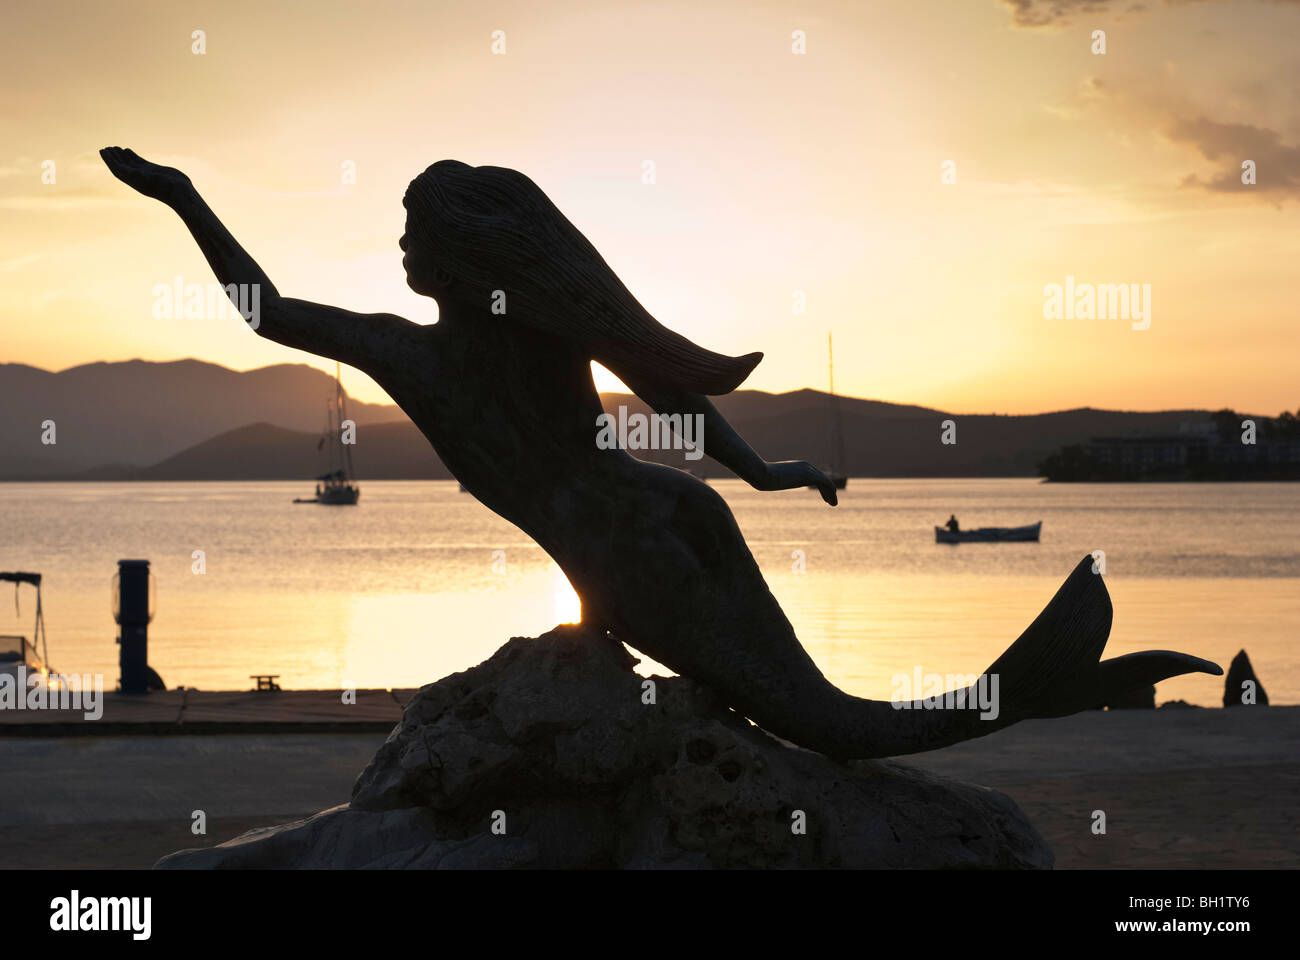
x=217 y=712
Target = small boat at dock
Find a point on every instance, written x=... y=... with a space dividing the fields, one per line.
x=1028 y=534
x=32 y=655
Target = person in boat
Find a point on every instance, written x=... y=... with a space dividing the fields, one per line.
x=952 y=523
x=502 y=388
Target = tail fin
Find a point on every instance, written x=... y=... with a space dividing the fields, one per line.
x=1063 y=643
x=1121 y=674
x=1053 y=669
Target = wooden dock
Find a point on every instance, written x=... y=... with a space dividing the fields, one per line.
x=191 y=712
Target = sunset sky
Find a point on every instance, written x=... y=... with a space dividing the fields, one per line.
x=775 y=172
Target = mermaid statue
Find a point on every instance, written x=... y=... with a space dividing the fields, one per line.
x=501 y=386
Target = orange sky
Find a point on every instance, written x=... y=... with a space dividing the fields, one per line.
x=775 y=172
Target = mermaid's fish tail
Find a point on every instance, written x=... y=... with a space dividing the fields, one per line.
x=1052 y=670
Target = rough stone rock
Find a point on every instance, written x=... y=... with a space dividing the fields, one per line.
x=1233 y=687
x=584 y=763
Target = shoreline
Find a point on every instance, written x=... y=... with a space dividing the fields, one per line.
x=189 y=712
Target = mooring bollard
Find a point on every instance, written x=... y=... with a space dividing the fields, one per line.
x=133 y=609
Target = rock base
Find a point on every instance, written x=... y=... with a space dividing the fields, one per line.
x=554 y=753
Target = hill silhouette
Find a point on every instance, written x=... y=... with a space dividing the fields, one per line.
x=135 y=413
x=261 y=451
x=190 y=420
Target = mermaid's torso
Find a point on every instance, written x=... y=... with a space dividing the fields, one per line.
x=513 y=414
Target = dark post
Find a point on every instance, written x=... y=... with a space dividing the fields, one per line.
x=132 y=614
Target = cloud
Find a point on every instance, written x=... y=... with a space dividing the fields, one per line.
x=1046 y=13
x=1228 y=144
x=1043 y=13
x=1090 y=90
x=1224 y=145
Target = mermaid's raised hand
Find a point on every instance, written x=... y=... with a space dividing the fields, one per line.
x=151 y=179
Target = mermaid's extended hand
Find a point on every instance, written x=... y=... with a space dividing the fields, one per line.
x=789 y=474
x=162 y=183
x=824 y=485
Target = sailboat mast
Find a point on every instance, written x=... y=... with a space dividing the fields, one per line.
x=830 y=360
x=342 y=415
x=338 y=403
x=837 y=427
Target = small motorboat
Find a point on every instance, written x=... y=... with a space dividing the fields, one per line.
x=1027 y=534
x=29 y=656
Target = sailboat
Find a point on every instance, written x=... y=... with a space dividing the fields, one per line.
x=336 y=488
x=835 y=470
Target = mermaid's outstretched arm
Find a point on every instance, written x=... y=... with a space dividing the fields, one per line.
x=723 y=444
x=362 y=340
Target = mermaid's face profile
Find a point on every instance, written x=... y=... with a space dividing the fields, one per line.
x=420 y=264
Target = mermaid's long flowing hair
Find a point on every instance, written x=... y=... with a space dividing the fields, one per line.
x=492 y=228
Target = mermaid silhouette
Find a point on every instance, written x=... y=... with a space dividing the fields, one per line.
x=508 y=402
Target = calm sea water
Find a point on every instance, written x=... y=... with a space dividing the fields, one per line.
x=420 y=580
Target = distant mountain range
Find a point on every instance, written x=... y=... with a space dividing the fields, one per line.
x=136 y=413
x=190 y=420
